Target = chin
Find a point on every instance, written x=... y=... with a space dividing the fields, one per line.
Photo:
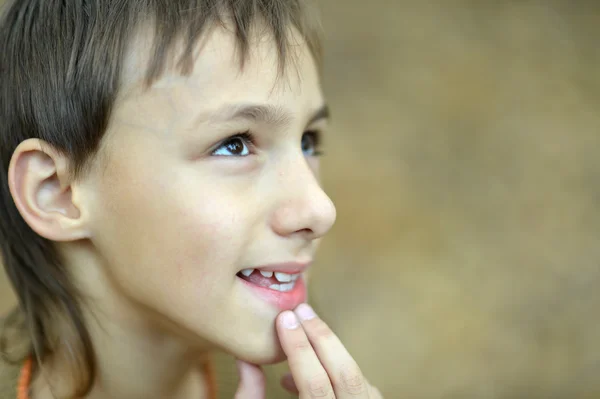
x=264 y=353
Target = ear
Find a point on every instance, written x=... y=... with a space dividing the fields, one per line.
x=44 y=192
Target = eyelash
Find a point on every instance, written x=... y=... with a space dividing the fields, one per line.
x=318 y=139
x=250 y=140
x=247 y=136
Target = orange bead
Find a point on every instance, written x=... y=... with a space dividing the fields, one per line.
x=25 y=379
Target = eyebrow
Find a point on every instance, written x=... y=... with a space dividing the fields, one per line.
x=265 y=113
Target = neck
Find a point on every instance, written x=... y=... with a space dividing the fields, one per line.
x=136 y=357
x=131 y=362
x=126 y=373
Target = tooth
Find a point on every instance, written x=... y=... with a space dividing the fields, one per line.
x=283 y=277
x=247 y=272
x=282 y=287
x=287 y=287
x=266 y=274
x=295 y=277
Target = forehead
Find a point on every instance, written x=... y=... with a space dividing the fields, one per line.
x=219 y=73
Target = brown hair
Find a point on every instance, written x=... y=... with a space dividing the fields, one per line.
x=59 y=76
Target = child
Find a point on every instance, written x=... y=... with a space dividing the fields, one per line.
x=160 y=198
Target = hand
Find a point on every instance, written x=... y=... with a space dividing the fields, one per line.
x=320 y=365
x=252 y=381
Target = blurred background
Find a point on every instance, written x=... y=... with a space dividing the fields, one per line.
x=464 y=161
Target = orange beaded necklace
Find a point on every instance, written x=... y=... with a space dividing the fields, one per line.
x=24 y=382
x=25 y=379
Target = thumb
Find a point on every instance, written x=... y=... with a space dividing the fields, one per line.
x=252 y=381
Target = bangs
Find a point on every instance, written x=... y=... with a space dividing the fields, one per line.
x=185 y=22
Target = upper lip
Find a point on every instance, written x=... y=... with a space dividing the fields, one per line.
x=286 y=267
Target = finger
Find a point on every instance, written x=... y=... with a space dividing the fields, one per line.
x=309 y=375
x=252 y=381
x=287 y=381
x=344 y=373
x=375 y=393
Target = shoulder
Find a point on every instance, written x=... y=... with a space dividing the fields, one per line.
x=9 y=375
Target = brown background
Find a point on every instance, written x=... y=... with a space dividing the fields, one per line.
x=464 y=162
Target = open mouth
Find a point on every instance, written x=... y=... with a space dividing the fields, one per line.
x=277 y=281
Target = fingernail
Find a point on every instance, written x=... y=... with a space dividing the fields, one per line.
x=289 y=320
x=305 y=312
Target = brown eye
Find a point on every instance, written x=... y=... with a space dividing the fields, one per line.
x=310 y=143
x=236 y=146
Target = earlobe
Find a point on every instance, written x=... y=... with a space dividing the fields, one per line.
x=43 y=192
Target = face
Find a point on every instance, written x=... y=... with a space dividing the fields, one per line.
x=209 y=175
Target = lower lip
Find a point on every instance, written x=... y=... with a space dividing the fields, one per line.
x=281 y=300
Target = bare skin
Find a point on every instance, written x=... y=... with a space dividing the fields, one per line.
x=320 y=365
x=177 y=204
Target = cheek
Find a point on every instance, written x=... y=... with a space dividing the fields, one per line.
x=172 y=233
x=206 y=237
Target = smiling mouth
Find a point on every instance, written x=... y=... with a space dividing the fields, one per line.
x=276 y=281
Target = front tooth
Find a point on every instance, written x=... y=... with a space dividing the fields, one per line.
x=286 y=287
x=282 y=287
x=266 y=274
x=283 y=277
x=247 y=272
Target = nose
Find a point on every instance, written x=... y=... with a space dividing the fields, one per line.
x=302 y=207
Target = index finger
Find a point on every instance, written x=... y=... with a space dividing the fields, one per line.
x=316 y=340
x=344 y=373
x=309 y=375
